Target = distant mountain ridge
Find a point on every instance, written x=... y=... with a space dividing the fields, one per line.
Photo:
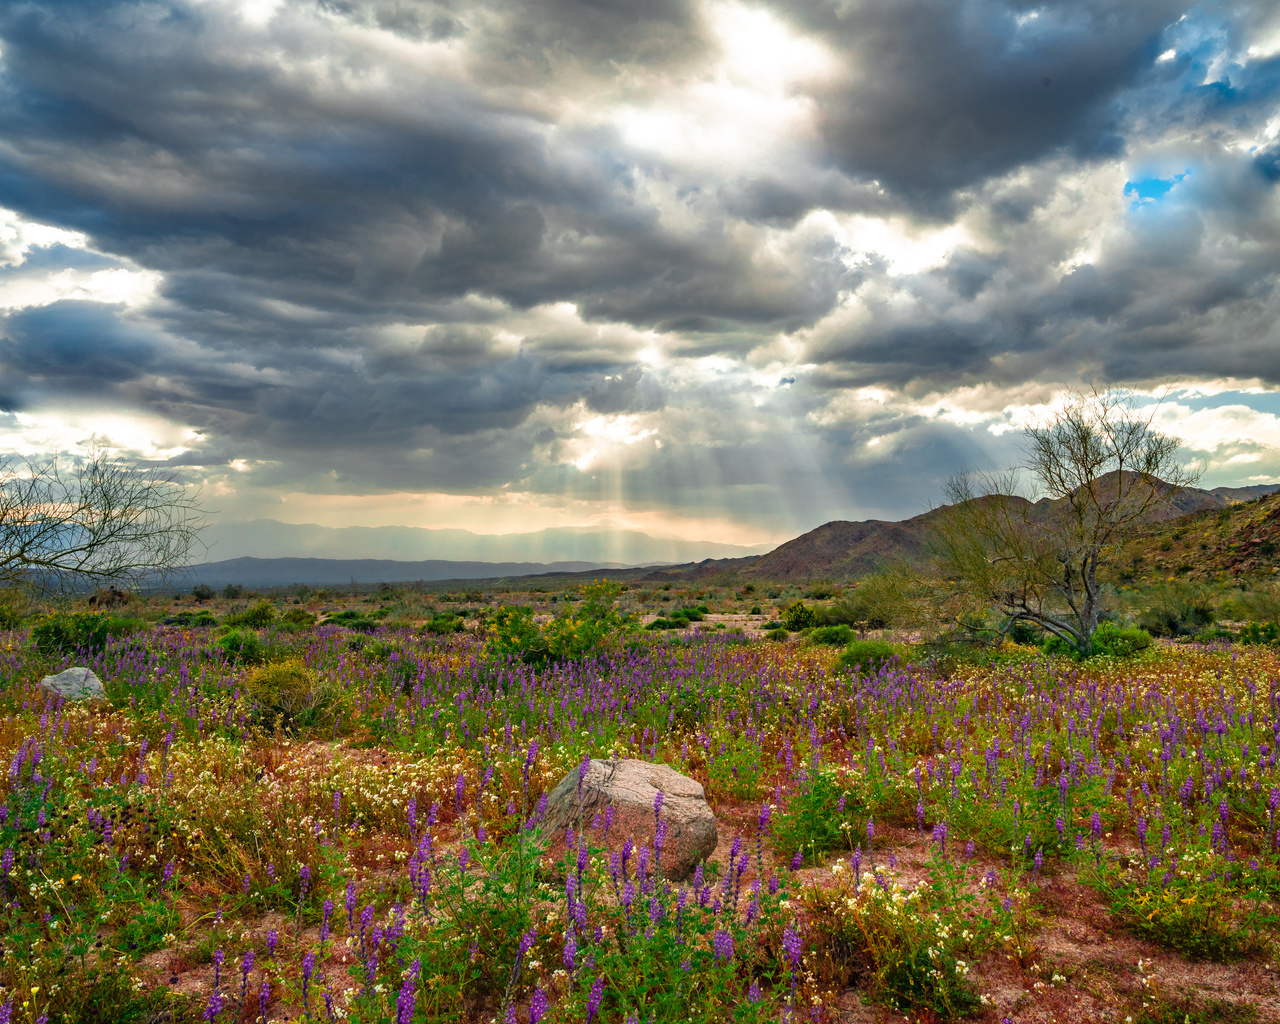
x=338 y=572
x=270 y=538
x=842 y=550
x=838 y=550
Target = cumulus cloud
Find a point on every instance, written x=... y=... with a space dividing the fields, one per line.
x=768 y=263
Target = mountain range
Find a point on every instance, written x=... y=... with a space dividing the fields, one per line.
x=838 y=550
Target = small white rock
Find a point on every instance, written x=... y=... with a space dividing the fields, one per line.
x=77 y=683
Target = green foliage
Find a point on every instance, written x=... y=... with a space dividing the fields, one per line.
x=243 y=646
x=444 y=623
x=778 y=634
x=865 y=656
x=675 y=622
x=835 y=636
x=299 y=617
x=291 y=693
x=232 y=590
x=1258 y=633
x=882 y=600
x=203 y=592
x=14 y=604
x=825 y=813
x=1109 y=640
x=1177 y=608
x=799 y=616
x=256 y=617
x=575 y=633
x=354 y=620
x=202 y=619
x=83 y=631
x=1201 y=906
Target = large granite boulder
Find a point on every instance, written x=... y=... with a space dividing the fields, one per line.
x=77 y=683
x=631 y=788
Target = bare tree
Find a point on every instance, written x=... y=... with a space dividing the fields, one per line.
x=99 y=519
x=1100 y=469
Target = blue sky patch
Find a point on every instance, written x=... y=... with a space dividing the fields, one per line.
x=1150 y=190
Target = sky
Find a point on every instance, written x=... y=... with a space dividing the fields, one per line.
x=712 y=270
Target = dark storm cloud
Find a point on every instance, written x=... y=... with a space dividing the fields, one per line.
x=941 y=95
x=359 y=242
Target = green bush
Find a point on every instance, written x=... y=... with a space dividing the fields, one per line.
x=352 y=619
x=1258 y=633
x=675 y=622
x=755 y=610
x=1178 y=608
x=232 y=590
x=203 y=592
x=691 y=614
x=865 y=656
x=202 y=619
x=298 y=617
x=445 y=622
x=84 y=631
x=823 y=814
x=835 y=636
x=261 y=614
x=1109 y=640
x=573 y=634
x=777 y=635
x=291 y=693
x=243 y=646
x=799 y=616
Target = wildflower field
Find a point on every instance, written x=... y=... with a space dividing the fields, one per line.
x=349 y=829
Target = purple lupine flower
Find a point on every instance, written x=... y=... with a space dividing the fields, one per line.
x=272 y=938
x=408 y=998
x=304 y=880
x=871 y=830
x=1039 y=859
x=351 y=906
x=1095 y=825
x=264 y=997
x=657 y=806
x=792 y=945
x=796 y=861
x=570 y=952
x=219 y=958
x=538 y=1006
x=753 y=993
x=595 y=999
x=526 y=942
x=214 y=1006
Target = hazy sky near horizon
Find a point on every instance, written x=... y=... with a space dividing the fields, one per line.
x=711 y=269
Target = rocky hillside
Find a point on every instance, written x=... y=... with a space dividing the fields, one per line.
x=844 y=550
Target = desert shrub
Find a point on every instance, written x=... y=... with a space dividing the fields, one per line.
x=835 y=636
x=1261 y=605
x=298 y=617
x=1259 y=633
x=755 y=610
x=882 y=600
x=1177 y=608
x=232 y=590
x=865 y=656
x=824 y=814
x=444 y=623
x=799 y=616
x=352 y=619
x=696 y=614
x=778 y=634
x=83 y=631
x=573 y=634
x=291 y=693
x=243 y=646
x=15 y=605
x=674 y=622
x=256 y=617
x=202 y=619
x=1109 y=640
x=1023 y=632
x=203 y=592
